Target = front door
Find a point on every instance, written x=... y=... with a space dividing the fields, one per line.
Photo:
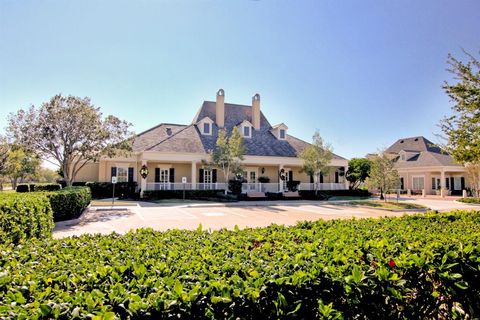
x=251 y=177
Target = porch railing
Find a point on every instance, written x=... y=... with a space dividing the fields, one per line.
x=186 y=186
x=246 y=187
x=322 y=186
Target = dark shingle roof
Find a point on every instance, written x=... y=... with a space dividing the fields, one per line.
x=188 y=138
x=422 y=153
x=154 y=135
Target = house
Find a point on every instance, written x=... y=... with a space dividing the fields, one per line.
x=174 y=154
x=424 y=166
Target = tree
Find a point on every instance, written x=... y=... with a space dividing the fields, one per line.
x=462 y=129
x=382 y=176
x=4 y=151
x=358 y=171
x=228 y=153
x=70 y=132
x=20 y=164
x=46 y=175
x=316 y=158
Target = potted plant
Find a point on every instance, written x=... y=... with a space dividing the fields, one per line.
x=263 y=179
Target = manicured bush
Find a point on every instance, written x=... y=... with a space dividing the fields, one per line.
x=24 y=216
x=325 y=194
x=69 y=203
x=292 y=185
x=79 y=184
x=189 y=194
x=235 y=186
x=101 y=190
x=23 y=188
x=414 y=267
x=470 y=200
x=37 y=187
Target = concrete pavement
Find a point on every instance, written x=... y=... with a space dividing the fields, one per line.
x=220 y=215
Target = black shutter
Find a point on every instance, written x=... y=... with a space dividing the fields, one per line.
x=447 y=183
x=462 y=183
x=200 y=176
x=311 y=179
x=290 y=175
x=157 y=174
x=172 y=175
x=214 y=176
x=452 y=184
x=321 y=177
x=336 y=176
x=401 y=183
x=130 y=174
x=114 y=171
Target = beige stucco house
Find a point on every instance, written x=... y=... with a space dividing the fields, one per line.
x=424 y=166
x=174 y=153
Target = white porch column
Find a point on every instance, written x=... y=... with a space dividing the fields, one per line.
x=143 y=182
x=194 y=175
x=347 y=184
x=442 y=184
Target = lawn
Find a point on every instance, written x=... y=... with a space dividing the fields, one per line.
x=389 y=205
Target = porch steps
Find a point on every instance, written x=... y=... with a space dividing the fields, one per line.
x=291 y=195
x=256 y=195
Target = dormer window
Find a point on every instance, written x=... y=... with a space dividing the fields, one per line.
x=247 y=131
x=245 y=128
x=280 y=131
x=205 y=126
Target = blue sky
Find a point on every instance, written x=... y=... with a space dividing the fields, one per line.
x=364 y=73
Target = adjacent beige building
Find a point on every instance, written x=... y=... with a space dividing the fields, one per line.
x=175 y=154
x=424 y=166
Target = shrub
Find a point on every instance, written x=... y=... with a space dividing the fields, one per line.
x=325 y=194
x=79 y=184
x=413 y=267
x=102 y=190
x=23 y=217
x=292 y=185
x=263 y=179
x=45 y=187
x=470 y=200
x=235 y=186
x=69 y=203
x=23 y=188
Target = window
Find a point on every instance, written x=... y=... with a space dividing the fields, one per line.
x=282 y=133
x=246 y=131
x=207 y=176
x=418 y=183
x=206 y=128
x=122 y=174
x=403 y=157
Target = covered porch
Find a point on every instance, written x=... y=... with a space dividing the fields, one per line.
x=445 y=182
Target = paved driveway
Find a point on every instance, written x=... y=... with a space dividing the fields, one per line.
x=216 y=216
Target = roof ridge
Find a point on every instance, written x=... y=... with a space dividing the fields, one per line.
x=162 y=141
x=159 y=125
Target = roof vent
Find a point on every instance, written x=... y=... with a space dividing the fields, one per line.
x=169 y=131
x=401 y=141
x=416 y=139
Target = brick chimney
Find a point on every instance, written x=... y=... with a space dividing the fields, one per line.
x=256 y=111
x=220 y=109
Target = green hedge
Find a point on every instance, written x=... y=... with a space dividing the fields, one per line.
x=414 y=267
x=470 y=200
x=189 y=194
x=69 y=202
x=101 y=190
x=36 y=187
x=24 y=216
x=325 y=194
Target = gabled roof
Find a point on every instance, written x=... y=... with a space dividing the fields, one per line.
x=414 y=144
x=424 y=153
x=154 y=135
x=188 y=139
